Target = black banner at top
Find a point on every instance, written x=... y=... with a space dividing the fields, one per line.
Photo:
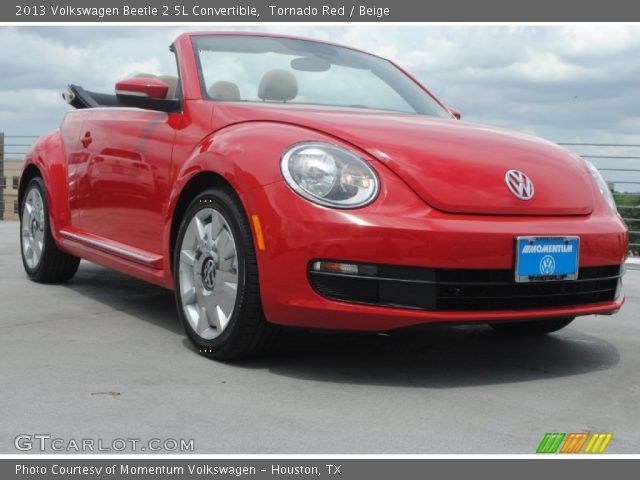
x=199 y=11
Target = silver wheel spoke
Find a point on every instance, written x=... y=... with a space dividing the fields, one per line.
x=189 y=296
x=208 y=273
x=188 y=257
x=226 y=250
x=202 y=322
x=224 y=297
x=215 y=321
x=217 y=224
x=193 y=313
x=223 y=319
x=200 y=229
x=37 y=248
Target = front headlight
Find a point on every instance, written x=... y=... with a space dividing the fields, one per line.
x=329 y=175
x=602 y=185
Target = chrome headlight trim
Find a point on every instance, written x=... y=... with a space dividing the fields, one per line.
x=602 y=185
x=329 y=175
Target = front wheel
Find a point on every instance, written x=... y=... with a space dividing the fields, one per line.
x=43 y=261
x=216 y=278
x=532 y=327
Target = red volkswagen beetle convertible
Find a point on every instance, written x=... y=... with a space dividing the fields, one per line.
x=282 y=181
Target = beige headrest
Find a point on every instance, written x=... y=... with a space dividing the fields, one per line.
x=170 y=80
x=144 y=75
x=172 y=83
x=278 y=85
x=224 y=91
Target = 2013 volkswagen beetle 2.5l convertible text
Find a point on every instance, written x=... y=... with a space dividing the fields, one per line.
x=282 y=181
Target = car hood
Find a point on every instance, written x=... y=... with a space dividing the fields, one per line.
x=458 y=166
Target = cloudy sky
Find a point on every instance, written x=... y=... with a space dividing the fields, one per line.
x=574 y=83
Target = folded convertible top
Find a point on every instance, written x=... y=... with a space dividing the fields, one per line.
x=78 y=97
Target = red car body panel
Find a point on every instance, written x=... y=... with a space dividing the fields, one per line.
x=409 y=233
x=432 y=152
x=122 y=176
x=115 y=177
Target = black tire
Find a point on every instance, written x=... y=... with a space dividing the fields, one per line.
x=54 y=265
x=532 y=327
x=247 y=333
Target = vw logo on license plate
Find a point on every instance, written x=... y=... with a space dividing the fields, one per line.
x=547 y=265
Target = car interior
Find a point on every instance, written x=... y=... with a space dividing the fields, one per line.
x=275 y=86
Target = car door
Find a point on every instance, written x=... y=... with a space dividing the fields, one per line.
x=122 y=189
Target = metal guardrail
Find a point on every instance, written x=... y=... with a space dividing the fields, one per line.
x=619 y=164
x=12 y=147
x=16 y=146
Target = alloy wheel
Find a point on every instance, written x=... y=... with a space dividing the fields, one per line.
x=208 y=273
x=32 y=228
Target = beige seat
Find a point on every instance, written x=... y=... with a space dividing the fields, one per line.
x=223 y=90
x=144 y=75
x=170 y=80
x=278 y=86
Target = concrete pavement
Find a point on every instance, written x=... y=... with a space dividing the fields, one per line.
x=104 y=357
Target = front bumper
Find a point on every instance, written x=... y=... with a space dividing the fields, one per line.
x=399 y=229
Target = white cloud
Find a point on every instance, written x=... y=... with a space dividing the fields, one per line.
x=561 y=82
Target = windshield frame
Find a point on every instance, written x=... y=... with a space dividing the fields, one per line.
x=423 y=90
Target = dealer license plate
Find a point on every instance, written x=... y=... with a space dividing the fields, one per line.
x=543 y=259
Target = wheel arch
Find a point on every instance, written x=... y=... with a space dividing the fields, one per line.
x=30 y=172
x=245 y=157
x=46 y=159
x=194 y=187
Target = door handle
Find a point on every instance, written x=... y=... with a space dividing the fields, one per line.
x=86 y=140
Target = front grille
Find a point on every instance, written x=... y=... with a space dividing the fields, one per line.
x=465 y=289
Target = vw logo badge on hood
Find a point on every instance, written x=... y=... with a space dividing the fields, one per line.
x=519 y=184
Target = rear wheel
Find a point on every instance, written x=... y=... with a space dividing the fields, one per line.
x=216 y=278
x=532 y=327
x=42 y=259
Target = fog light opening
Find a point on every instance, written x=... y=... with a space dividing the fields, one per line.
x=344 y=268
x=336 y=267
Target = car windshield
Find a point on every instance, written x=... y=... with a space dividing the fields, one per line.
x=284 y=70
